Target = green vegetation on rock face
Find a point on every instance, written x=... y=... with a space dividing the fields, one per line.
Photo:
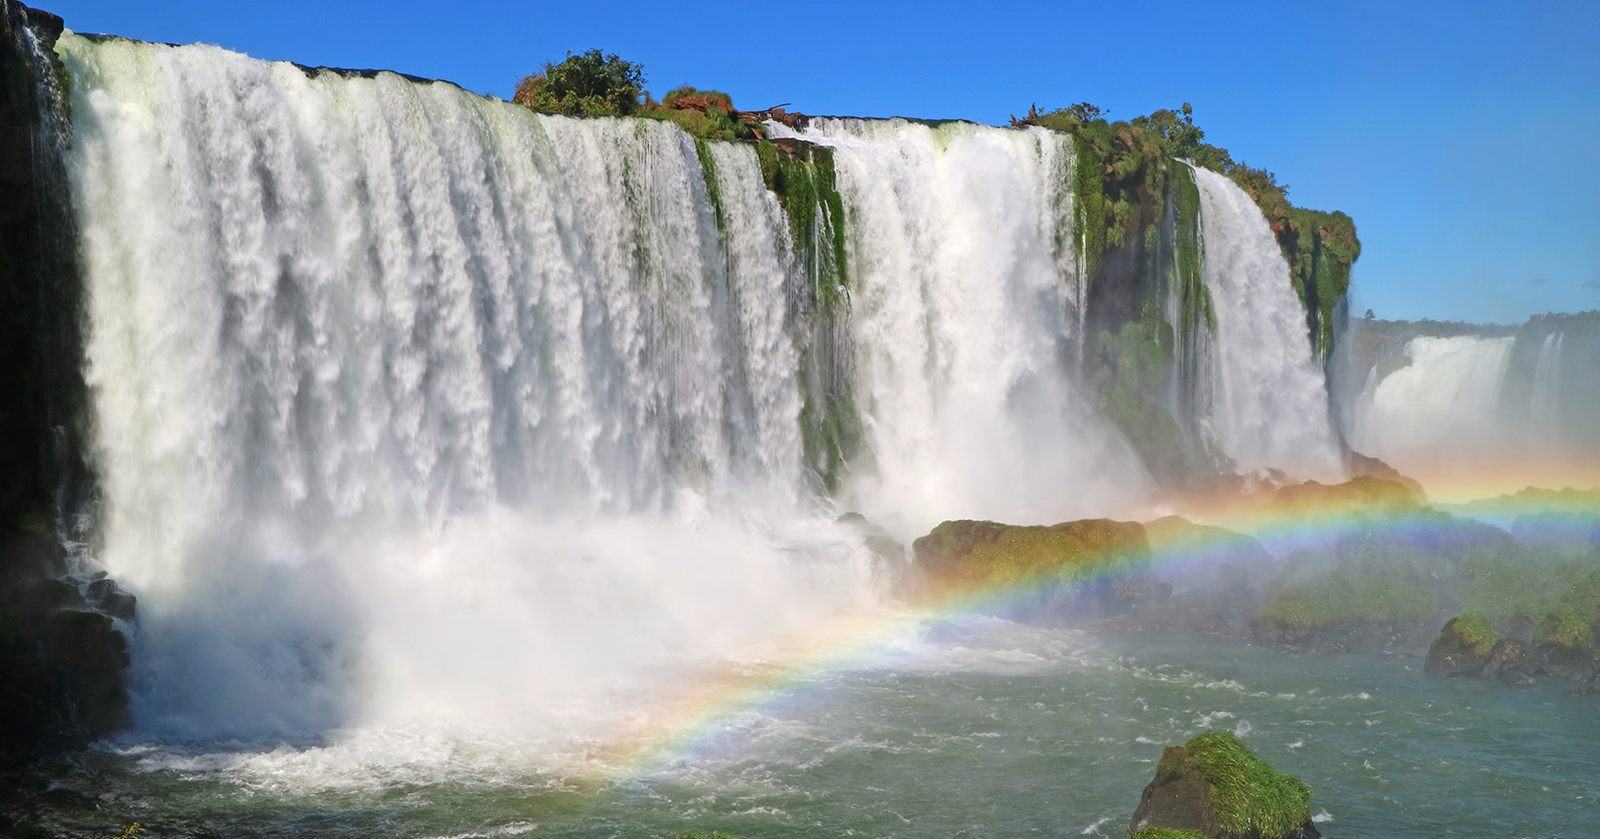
x=990 y=553
x=1125 y=174
x=1562 y=627
x=1343 y=598
x=1168 y=833
x=1571 y=625
x=1249 y=796
x=1472 y=630
x=1514 y=585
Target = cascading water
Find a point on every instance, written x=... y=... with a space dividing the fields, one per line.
x=1439 y=413
x=1544 y=408
x=414 y=405
x=966 y=302
x=1269 y=407
x=414 y=408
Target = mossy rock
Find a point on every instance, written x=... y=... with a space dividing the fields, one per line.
x=1215 y=787
x=1462 y=648
x=1563 y=630
x=1363 y=494
x=1168 y=833
x=962 y=554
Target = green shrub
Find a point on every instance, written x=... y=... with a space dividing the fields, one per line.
x=585 y=83
x=1472 y=629
x=1248 y=795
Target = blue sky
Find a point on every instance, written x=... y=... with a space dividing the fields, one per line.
x=1464 y=137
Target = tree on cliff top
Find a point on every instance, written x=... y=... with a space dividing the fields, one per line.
x=585 y=83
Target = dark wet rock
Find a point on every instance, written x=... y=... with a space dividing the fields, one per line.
x=106 y=596
x=1215 y=787
x=1462 y=648
x=905 y=579
x=1514 y=662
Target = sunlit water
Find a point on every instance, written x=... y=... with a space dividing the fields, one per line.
x=970 y=727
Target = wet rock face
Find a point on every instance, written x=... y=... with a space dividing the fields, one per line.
x=1513 y=662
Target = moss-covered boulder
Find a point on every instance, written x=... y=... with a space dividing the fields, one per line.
x=1462 y=648
x=1360 y=494
x=1073 y=569
x=1343 y=610
x=1566 y=635
x=1215 y=787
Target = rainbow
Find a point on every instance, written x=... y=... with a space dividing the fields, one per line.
x=1309 y=517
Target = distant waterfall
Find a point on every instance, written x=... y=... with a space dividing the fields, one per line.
x=1439 y=412
x=1269 y=398
x=1544 y=406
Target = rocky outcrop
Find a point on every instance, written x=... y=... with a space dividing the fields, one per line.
x=1462 y=648
x=1215 y=787
x=63 y=664
x=1077 y=569
x=62 y=660
x=1514 y=662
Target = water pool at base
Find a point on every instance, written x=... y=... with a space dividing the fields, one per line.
x=971 y=727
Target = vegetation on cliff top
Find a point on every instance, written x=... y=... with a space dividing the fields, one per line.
x=1124 y=168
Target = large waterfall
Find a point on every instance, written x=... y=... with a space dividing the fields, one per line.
x=416 y=407
x=967 y=304
x=385 y=373
x=1269 y=399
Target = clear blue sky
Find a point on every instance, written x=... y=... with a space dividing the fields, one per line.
x=1463 y=137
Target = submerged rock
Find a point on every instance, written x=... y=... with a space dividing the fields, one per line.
x=1215 y=787
x=1462 y=648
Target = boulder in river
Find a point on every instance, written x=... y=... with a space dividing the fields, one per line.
x=1462 y=648
x=1216 y=788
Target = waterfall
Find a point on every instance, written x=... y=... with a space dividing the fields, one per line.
x=967 y=304
x=415 y=408
x=413 y=403
x=1269 y=405
x=1544 y=409
x=1441 y=412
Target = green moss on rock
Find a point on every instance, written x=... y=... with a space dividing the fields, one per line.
x=1472 y=630
x=1168 y=833
x=1341 y=601
x=1248 y=794
x=1214 y=786
x=962 y=553
x=1565 y=630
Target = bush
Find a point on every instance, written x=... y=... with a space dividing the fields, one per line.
x=586 y=83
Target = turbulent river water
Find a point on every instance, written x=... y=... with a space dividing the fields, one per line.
x=965 y=727
x=457 y=457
